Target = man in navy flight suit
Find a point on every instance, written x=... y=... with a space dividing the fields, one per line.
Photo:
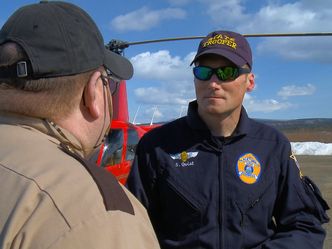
x=218 y=179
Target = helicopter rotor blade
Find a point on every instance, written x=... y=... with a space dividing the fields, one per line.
x=246 y=35
x=118 y=45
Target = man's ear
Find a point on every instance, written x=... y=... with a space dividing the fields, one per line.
x=90 y=95
x=251 y=82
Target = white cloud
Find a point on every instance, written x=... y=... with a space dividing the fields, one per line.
x=272 y=17
x=148 y=114
x=173 y=85
x=162 y=66
x=153 y=112
x=227 y=13
x=145 y=19
x=300 y=48
x=179 y=2
x=161 y=96
x=299 y=17
x=159 y=113
x=302 y=16
x=265 y=106
x=282 y=18
x=293 y=90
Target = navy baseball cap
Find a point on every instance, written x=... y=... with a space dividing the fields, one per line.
x=231 y=45
x=60 y=39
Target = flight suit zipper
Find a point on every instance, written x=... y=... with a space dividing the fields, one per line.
x=221 y=209
x=217 y=145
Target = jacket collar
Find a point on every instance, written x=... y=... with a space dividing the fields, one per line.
x=43 y=126
x=193 y=118
x=196 y=123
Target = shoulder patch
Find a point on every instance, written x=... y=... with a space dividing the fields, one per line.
x=248 y=168
x=292 y=156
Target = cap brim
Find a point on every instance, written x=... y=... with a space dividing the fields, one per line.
x=120 y=66
x=236 y=59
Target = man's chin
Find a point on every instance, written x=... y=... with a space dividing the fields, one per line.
x=212 y=110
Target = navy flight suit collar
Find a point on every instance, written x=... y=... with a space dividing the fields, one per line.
x=196 y=123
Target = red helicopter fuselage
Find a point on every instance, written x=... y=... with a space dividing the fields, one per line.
x=118 y=150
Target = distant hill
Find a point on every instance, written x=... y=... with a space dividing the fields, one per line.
x=304 y=130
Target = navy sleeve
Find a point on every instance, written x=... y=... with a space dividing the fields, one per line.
x=142 y=177
x=299 y=211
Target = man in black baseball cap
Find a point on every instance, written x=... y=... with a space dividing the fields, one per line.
x=56 y=81
x=217 y=178
x=60 y=39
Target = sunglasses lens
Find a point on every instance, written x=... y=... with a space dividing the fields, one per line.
x=202 y=73
x=227 y=73
x=223 y=73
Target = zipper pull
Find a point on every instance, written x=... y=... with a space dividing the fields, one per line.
x=254 y=203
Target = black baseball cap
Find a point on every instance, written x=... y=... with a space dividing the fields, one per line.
x=233 y=46
x=60 y=39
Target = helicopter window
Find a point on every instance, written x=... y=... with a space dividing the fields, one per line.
x=113 y=148
x=131 y=144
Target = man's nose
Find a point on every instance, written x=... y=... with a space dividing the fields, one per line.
x=214 y=81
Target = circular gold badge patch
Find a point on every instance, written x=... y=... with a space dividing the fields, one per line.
x=248 y=168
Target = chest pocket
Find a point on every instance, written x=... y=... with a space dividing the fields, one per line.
x=255 y=207
x=254 y=219
x=180 y=211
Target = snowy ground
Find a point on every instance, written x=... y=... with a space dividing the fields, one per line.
x=311 y=148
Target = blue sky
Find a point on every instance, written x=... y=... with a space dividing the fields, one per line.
x=293 y=74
